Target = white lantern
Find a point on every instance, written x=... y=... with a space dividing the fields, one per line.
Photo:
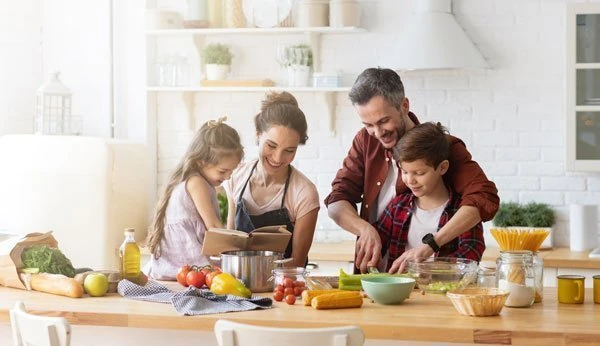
x=53 y=108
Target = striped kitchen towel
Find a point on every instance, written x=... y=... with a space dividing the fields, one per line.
x=192 y=301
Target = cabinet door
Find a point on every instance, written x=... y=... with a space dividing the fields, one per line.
x=583 y=87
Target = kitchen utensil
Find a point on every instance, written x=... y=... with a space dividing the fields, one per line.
x=481 y=301
x=253 y=268
x=571 y=289
x=388 y=289
x=314 y=283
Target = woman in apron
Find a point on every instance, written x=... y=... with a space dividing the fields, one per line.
x=268 y=191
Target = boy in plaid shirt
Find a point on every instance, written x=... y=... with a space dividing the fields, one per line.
x=413 y=218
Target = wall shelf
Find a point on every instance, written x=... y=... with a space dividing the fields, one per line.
x=254 y=31
x=329 y=95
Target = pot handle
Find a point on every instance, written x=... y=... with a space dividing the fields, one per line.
x=215 y=258
x=285 y=260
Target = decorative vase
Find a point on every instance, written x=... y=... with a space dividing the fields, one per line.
x=216 y=71
x=298 y=75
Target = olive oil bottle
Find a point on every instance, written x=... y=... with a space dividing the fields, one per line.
x=129 y=254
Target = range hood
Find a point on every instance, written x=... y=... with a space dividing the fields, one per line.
x=432 y=39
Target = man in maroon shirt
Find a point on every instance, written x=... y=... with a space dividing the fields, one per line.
x=369 y=174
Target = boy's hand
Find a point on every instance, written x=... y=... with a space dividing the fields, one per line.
x=418 y=254
x=368 y=249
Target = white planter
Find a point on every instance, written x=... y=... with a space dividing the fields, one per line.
x=298 y=75
x=216 y=72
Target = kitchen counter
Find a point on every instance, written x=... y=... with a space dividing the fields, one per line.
x=421 y=317
x=553 y=258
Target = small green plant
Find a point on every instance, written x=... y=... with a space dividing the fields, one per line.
x=531 y=215
x=298 y=54
x=216 y=53
x=538 y=215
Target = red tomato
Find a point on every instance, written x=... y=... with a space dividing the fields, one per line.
x=278 y=295
x=195 y=278
x=290 y=299
x=288 y=290
x=210 y=277
x=279 y=288
x=181 y=275
x=298 y=291
x=287 y=282
x=299 y=284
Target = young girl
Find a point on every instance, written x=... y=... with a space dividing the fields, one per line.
x=189 y=205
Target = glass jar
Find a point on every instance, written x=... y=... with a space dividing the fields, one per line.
x=291 y=278
x=538 y=268
x=486 y=274
x=515 y=274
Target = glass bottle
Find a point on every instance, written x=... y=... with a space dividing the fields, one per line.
x=538 y=267
x=515 y=274
x=129 y=254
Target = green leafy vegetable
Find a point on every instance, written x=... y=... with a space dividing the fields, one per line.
x=223 y=207
x=47 y=260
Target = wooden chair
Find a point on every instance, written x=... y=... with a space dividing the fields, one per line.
x=28 y=329
x=238 y=334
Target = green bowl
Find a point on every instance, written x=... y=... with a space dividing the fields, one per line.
x=388 y=290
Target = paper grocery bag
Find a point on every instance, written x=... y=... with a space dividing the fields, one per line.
x=10 y=255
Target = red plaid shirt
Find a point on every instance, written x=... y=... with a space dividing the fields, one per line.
x=393 y=226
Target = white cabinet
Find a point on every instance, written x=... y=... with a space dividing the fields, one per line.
x=583 y=86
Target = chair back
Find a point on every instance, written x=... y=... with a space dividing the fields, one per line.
x=34 y=330
x=238 y=334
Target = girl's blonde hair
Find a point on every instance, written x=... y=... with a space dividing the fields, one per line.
x=214 y=141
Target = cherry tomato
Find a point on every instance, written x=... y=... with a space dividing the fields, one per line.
x=210 y=277
x=290 y=299
x=299 y=284
x=288 y=290
x=181 y=275
x=278 y=295
x=287 y=282
x=298 y=291
x=278 y=288
x=195 y=278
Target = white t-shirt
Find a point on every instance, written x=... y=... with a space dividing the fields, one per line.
x=423 y=222
x=388 y=190
x=301 y=197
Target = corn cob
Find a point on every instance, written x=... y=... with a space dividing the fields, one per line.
x=337 y=300
x=308 y=295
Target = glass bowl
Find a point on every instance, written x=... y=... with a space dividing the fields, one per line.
x=442 y=274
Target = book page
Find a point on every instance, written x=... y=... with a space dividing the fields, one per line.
x=271 y=229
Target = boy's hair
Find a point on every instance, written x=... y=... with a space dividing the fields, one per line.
x=214 y=141
x=281 y=109
x=426 y=141
x=377 y=81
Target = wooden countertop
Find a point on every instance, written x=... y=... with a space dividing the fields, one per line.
x=553 y=258
x=421 y=318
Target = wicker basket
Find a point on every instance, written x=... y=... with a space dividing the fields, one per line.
x=481 y=301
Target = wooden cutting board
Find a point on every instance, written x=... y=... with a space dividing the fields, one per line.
x=237 y=83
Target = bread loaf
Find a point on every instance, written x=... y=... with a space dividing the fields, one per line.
x=55 y=284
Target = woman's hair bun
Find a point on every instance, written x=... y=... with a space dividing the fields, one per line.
x=275 y=98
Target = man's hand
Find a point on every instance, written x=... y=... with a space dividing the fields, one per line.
x=368 y=249
x=418 y=254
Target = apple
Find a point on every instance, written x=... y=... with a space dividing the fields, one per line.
x=96 y=284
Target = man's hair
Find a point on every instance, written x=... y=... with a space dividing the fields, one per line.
x=427 y=141
x=377 y=81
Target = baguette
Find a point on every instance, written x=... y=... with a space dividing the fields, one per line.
x=55 y=284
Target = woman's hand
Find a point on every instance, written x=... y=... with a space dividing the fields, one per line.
x=418 y=254
x=368 y=248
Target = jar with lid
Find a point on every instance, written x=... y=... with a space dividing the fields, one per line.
x=344 y=13
x=313 y=13
x=515 y=274
x=291 y=278
x=538 y=268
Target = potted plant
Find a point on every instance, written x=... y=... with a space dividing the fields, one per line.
x=217 y=59
x=526 y=217
x=297 y=61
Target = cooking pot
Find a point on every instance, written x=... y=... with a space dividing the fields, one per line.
x=253 y=268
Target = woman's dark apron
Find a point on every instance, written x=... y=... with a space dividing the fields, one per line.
x=247 y=223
